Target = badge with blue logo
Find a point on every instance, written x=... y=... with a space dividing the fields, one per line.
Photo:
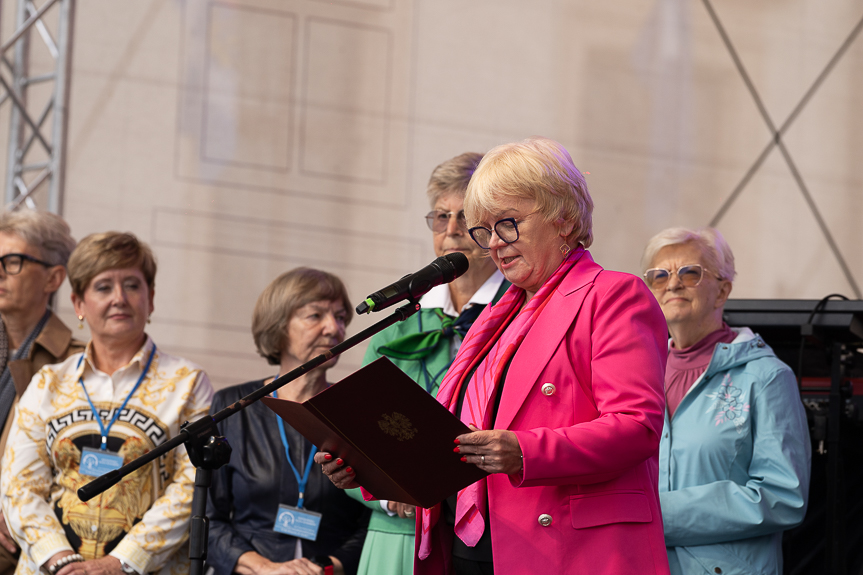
x=297 y=522
x=96 y=462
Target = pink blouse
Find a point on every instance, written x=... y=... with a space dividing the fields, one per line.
x=686 y=365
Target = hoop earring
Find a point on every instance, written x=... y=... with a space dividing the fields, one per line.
x=80 y=322
x=565 y=249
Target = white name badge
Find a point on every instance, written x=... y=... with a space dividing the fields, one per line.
x=95 y=462
x=297 y=522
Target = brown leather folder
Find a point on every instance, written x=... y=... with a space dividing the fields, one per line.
x=396 y=436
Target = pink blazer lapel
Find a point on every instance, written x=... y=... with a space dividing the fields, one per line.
x=545 y=337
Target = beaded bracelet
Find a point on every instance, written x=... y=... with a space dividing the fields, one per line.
x=62 y=562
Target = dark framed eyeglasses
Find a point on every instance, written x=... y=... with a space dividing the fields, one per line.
x=506 y=229
x=12 y=263
x=689 y=275
x=438 y=220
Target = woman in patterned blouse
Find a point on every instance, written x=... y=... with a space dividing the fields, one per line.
x=94 y=412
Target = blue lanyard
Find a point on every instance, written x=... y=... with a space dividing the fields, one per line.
x=301 y=482
x=102 y=428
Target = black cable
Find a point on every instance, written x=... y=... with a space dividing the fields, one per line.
x=804 y=332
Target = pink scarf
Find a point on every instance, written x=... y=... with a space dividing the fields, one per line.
x=491 y=341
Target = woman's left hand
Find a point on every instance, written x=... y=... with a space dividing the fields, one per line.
x=107 y=565
x=494 y=451
x=343 y=478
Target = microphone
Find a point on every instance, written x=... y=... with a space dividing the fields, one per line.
x=413 y=286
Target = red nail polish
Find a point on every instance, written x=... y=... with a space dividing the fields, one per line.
x=463 y=458
x=328 y=456
x=457 y=449
x=456 y=441
x=349 y=470
x=339 y=461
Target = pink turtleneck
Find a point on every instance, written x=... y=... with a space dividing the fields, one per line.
x=686 y=365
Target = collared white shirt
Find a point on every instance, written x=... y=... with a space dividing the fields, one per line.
x=440 y=297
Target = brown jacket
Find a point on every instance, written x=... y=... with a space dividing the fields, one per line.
x=54 y=344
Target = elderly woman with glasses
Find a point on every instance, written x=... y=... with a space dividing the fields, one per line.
x=561 y=384
x=34 y=249
x=735 y=453
x=425 y=345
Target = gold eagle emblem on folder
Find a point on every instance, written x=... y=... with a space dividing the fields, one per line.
x=398 y=426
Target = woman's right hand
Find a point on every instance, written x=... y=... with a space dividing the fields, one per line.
x=106 y=565
x=341 y=476
x=403 y=510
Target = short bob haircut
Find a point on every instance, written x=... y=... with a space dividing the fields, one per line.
x=452 y=176
x=46 y=232
x=715 y=251
x=283 y=297
x=109 y=251
x=536 y=169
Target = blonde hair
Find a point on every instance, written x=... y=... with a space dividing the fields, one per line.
x=536 y=169
x=282 y=298
x=715 y=251
x=452 y=176
x=47 y=232
x=109 y=251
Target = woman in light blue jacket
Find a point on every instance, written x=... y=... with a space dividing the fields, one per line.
x=734 y=455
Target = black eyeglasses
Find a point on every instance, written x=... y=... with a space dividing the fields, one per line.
x=506 y=229
x=12 y=263
x=438 y=220
x=689 y=275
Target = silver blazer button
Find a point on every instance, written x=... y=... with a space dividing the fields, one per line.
x=545 y=520
x=548 y=389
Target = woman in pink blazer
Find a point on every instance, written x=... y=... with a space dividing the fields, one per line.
x=561 y=381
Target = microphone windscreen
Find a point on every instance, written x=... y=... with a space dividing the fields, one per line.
x=459 y=263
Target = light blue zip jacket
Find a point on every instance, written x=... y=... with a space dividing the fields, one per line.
x=734 y=464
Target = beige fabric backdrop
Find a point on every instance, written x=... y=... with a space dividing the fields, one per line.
x=242 y=138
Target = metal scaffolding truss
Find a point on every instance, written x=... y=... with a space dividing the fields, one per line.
x=39 y=112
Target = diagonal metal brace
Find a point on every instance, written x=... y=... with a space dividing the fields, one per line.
x=26 y=26
x=21 y=108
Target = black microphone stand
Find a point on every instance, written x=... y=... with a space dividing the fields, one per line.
x=207 y=451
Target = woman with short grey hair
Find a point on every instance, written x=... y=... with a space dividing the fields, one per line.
x=734 y=453
x=47 y=232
